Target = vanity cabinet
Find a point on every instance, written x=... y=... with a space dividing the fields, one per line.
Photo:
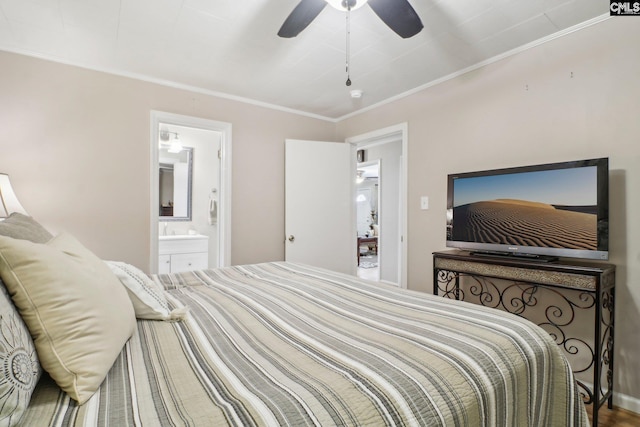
x=183 y=253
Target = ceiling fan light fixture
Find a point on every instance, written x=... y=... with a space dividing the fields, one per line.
x=341 y=5
x=398 y=15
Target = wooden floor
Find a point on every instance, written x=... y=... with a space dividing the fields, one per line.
x=616 y=417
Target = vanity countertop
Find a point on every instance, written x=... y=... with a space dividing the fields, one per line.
x=183 y=237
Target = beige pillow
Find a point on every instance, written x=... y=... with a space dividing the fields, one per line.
x=77 y=311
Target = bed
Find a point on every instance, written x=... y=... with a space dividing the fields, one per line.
x=283 y=344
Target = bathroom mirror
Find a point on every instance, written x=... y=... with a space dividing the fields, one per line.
x=175 y=171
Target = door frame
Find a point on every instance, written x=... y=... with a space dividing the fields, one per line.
x=224 y=211
x=382 y=136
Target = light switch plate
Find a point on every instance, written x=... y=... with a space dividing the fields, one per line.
x=424 y=203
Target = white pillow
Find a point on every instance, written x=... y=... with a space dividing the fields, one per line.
x=147 y=296
x=75 y=308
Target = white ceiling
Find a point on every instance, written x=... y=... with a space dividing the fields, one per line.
x=230 y=47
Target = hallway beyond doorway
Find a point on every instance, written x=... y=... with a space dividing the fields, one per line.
x=368 y=268
x=387 y=147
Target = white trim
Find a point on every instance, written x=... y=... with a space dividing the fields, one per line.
x=166 y=83
x=382 y=136
x=224 y=213
x=203 y=91
x=620 y=400
x=478 y=65
x=626 y=402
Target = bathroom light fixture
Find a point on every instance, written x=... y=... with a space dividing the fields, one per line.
x=10 y=203
x=176 y=145
x=360 y=177
x=165 y=135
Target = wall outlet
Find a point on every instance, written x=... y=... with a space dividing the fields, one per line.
x=424 y=203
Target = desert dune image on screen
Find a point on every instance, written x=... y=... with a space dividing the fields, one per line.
x=552 y=208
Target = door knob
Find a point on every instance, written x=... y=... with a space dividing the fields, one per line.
x=292 y=238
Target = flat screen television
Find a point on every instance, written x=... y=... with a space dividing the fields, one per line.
x=540 y=212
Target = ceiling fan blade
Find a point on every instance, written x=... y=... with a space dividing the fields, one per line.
x=301 y=16
x=399 y=16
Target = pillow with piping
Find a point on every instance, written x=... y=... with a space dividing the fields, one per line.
x=75 y=308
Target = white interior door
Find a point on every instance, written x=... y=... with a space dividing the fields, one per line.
x=320 y=205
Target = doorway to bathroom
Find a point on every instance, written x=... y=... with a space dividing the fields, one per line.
x=190 y=192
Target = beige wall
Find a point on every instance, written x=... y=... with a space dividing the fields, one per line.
x=76 y=145
x=574 y=97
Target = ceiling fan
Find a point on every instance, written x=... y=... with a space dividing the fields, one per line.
x=397 y=14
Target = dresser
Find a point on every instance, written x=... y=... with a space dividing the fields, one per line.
x=183 y=253
x=557 y=296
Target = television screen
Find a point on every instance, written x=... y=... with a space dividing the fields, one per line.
x=554 y=210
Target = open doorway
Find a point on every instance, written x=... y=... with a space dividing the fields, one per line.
x=367 y=219
x=189 y=172
x=205 y=154
x=387 y=148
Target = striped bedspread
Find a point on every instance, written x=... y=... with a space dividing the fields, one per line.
x=280 y=344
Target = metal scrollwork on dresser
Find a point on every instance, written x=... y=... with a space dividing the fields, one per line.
x=573 y=301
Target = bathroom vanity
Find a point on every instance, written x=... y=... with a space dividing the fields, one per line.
x=183 y=253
